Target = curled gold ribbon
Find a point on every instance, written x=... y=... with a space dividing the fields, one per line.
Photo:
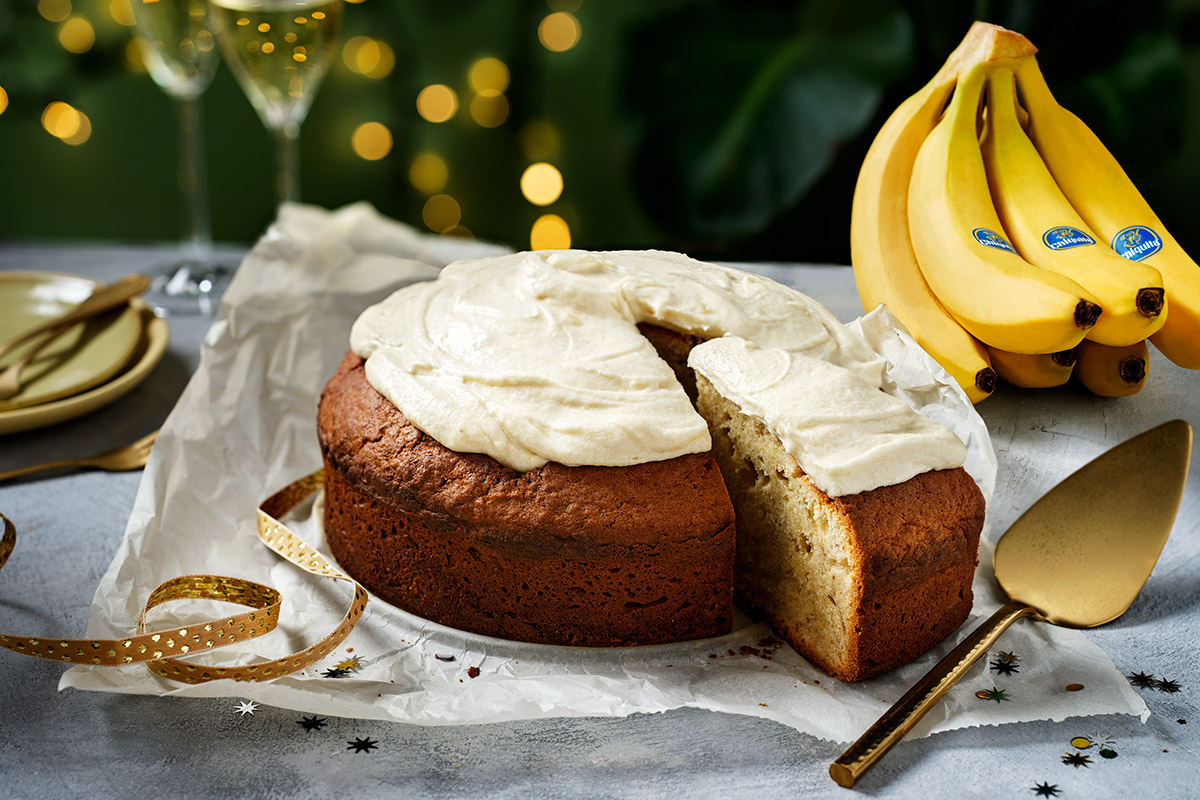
x=160 y=651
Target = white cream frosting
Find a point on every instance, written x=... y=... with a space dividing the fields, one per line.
x=847 y=435
x=535 y=357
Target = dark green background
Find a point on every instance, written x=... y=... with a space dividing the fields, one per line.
x=726 y=129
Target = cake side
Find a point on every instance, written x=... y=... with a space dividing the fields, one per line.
x=857 y=584
x=564 y=555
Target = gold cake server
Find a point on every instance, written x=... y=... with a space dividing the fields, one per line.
x=1078 y=558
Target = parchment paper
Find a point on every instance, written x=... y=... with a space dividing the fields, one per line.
x=245 y=427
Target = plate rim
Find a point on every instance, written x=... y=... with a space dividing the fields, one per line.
x=101 y=377
x=156 y=335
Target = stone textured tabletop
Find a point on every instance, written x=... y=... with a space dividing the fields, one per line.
x=107 y=745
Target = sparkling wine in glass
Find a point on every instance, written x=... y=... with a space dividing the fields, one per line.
x=180 y=54
x=279 y=50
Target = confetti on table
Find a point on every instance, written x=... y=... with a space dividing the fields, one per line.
x=1077 y=760
x=1164 y=685
x=1046 y=789
x=1005 y=667
x=335 y=672
x=1141 y=680
x=313 y=723
x=246 y=707
x=362 y=745
x=352 y=663
x=993 y=694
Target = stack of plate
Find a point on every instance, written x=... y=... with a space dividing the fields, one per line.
x=87 y=367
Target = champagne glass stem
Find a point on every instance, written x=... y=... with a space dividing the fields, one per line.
x=193 y=182
x=287 y=162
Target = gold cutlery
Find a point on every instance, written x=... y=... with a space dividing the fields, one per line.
x=1078 y=558
x=102 y=299
x=131 y=456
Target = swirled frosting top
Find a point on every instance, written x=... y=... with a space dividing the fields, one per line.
x=536 y=357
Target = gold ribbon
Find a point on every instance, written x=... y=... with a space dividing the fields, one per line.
x=161 y=651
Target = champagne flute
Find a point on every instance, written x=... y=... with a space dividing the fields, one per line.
x=279 y=50
x=181 y=58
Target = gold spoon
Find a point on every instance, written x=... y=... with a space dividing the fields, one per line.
x=102 y=299
x=1078 y=558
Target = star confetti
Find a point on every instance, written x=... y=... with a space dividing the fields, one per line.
x=246 y=707
x=1141 y=680
x=1008 y=655
x=1165 y=685
x=1005 y=667
x=313 y=723
x=1077 y=760
x=352 y=663
x=335 y=672
x=993 y=694
x=1046 y=790
x=362 y=745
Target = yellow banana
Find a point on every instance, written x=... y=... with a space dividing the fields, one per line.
x=1112 y=371
x=885 y=267
x=1041 y=371
x=1050 y=234
x=995 y=294
x=1104 y=196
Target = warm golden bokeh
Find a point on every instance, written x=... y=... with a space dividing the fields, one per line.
x=54 y=10
x=3 y=99
x=77 y=35
x=135 y=57
x=437 y=103
x=441 y=213
x=550 y=232
x=428 y=173
x=488 y=75
x=122 y=12
x=371 y=141
x=64 y=121
x=369 y=57
x=559 y=31
x=489 y=108
x=541 y=183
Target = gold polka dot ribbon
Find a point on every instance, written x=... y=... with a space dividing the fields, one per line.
x=162 y=651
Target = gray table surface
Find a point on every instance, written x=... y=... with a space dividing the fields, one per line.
x=100 y=745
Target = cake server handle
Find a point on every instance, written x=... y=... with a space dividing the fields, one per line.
x=909 y=709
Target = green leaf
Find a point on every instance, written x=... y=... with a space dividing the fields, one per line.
x=745 y=110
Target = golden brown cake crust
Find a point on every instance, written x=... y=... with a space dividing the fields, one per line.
x=567 y=555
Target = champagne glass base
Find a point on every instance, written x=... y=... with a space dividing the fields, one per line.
x=189 y=287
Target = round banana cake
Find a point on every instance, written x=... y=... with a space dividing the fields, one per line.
x=605 y=449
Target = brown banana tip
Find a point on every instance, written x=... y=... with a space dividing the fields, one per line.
x=985 y=380
x=1150 y=301
x=1132 y=369
x=1086 y=314
x=1064 y=358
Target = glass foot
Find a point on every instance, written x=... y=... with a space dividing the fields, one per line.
x=190 y=287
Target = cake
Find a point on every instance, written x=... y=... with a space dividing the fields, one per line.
x=605 y=449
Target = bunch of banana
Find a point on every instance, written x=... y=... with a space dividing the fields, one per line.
x=1006 y=239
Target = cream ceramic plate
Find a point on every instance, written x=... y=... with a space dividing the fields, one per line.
x=148 y=351
x=87 y=355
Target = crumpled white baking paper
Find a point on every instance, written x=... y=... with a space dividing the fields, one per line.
x=245 y=427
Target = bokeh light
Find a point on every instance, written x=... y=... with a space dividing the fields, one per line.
x=77 y=35
x=428 y=173
x=67 y=123
x=371 y=141
x=369 y=57
x=441 y=213
x=54 y=10
x=559 y=31
x=550 y=232
x=488 y=75
x=540 y=141
x=437 y=103
x=541 y=183
x=3 y=99
x=135 y=56
x=489 y=108
x=122 y=12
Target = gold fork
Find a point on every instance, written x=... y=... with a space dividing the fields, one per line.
x=131 y=456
